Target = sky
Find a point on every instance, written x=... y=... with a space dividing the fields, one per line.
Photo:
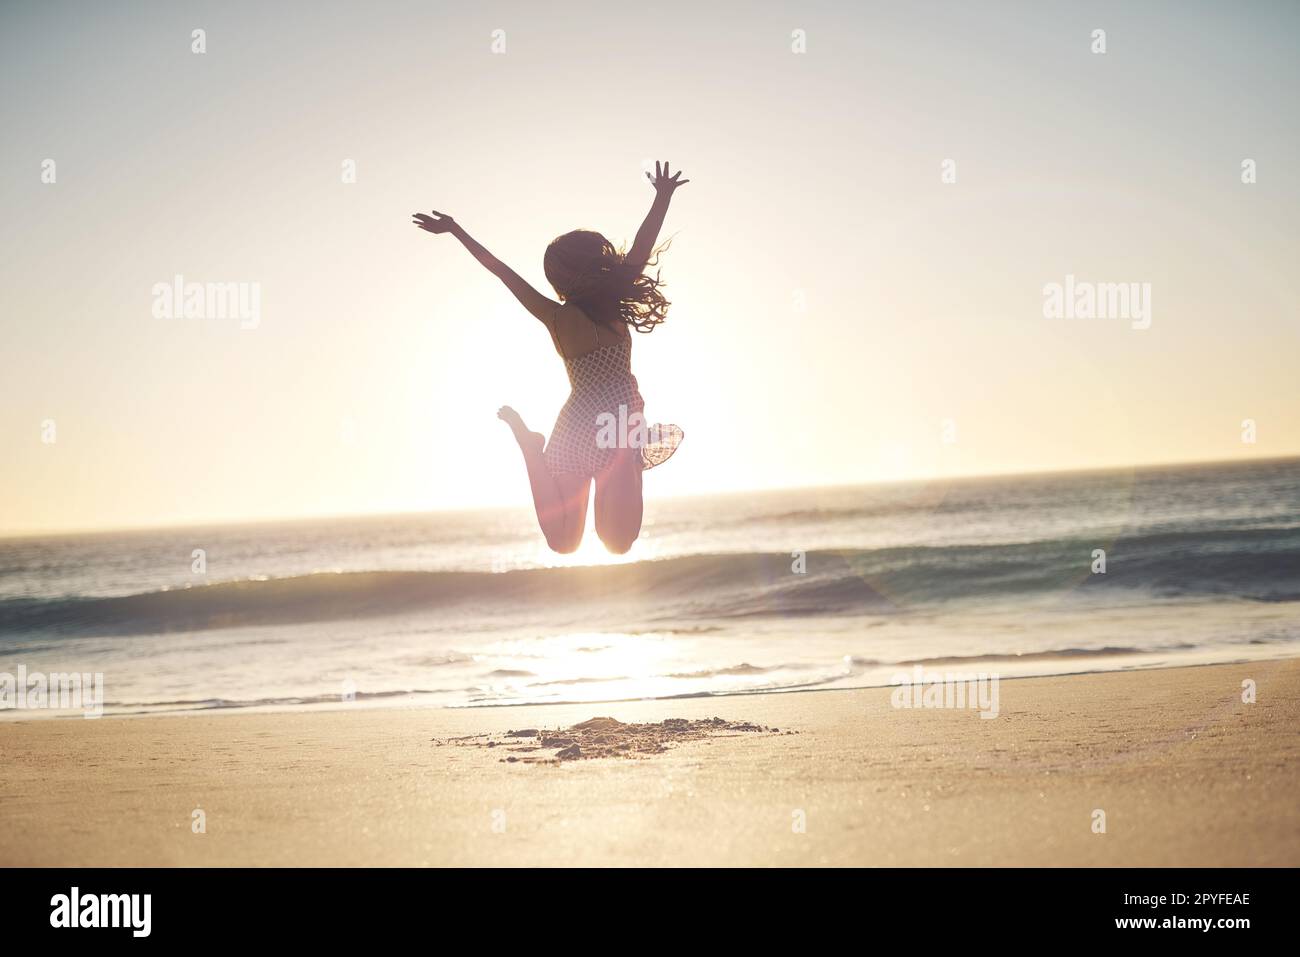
x=841 y=313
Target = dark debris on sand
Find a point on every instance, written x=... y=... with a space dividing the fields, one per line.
x=609 y=738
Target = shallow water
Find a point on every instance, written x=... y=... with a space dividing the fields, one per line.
x=756 y=592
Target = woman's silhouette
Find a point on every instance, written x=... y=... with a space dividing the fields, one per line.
x=600 y=435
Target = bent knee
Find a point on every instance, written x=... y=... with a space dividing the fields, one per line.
x=564 y=544
x=619 y=544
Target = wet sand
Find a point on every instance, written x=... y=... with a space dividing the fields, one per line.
x=1185 y=772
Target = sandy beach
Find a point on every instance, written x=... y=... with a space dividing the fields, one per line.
x=1186 y=773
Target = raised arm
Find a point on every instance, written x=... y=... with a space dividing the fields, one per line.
x=543 y=307
x=644 y=244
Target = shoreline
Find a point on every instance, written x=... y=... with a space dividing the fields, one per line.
x=325 y=707
x=1186 y=773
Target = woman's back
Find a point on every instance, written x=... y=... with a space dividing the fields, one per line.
x=575 y=332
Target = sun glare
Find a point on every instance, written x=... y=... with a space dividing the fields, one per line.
x=590 y=552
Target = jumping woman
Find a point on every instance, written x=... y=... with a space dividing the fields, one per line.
x=598 y=438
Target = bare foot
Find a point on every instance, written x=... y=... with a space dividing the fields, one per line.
x=529 y=442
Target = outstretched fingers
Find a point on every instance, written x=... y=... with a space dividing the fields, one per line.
x=664 y=179
x=435 y=223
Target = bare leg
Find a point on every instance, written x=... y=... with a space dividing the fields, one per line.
x=619 y=504
x=560 y=500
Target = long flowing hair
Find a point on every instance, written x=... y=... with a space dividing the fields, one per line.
x=587 y=270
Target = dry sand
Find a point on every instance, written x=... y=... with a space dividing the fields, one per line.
x=1186 y=773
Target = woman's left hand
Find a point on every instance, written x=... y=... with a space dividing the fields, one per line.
x=437 y=223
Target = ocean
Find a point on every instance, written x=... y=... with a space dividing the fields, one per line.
x=753 y=592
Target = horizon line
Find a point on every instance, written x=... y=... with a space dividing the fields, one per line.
x=56 y=532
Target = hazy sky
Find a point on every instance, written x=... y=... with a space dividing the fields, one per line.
x=835 y=302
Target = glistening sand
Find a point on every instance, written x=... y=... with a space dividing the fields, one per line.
x=1185 y=772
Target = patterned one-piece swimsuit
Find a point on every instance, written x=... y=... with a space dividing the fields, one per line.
x=603 y=415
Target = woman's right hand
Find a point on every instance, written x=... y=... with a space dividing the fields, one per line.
x=437 y=223
x=664 y=184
